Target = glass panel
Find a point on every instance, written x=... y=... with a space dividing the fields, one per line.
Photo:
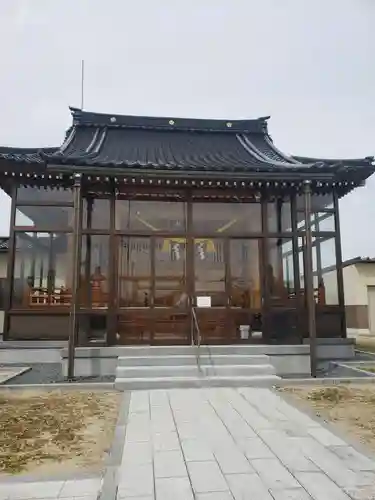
x=210 y=270
x=319 y=205
x=96 y=213
x=279 y=216
x=45 y=218
x=325 y=271
x=94 y=275
x=43 y=195
x=134 y=272
x=245 y=286
x=170 y=265
x=42 y=270
x=280 y=270
x=227 y=218
x=323 y=222
x=151 y=216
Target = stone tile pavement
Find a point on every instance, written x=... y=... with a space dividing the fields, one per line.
x=77 y=489
x=235 y=444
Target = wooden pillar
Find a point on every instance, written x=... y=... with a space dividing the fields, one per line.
x=77 y=223
x=340 y=277
x=265 y=302
x=10 y=266
x=89 y=210
x=309 y=280
x=113 y=275
x=190 y=262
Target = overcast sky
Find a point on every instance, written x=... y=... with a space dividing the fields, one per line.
x=307 y=63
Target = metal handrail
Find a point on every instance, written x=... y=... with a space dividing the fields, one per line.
x=195 y=327
x=196 y=324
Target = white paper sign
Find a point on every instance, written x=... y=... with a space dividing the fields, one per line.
x=204 y=301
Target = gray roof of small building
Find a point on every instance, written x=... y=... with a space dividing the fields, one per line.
x=358 y=260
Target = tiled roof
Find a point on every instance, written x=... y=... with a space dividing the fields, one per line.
x=174 y=144
x=4 y=244
x=330 y=161
x=24 y=155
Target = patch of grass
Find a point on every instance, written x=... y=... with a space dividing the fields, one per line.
x=47 y=426
x=370 y=369
x=365 y=344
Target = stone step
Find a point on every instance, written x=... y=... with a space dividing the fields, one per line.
x=186 y=382
x=193 y=371
x=234 y=349
x=191 y=359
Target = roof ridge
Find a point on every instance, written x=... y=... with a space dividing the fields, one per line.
x=88 y=118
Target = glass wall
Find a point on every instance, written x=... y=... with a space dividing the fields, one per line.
x=43 y=240
x=162 y=251
x=34 y=195
x=279 y=216
x=245 y=285
x=134 y=272
x=150 y=216
x=170 y=273
x=45 y=218
x=96 y=213
x=226 y=218
x=94 y=271
x=42 y=270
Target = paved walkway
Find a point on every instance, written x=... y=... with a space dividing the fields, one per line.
x=222 y=444
x=73 y=489
x=235 y=444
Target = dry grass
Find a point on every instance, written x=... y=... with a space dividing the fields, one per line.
x=350 y=407
x=370 y=369
x=45 y=428
x=365 y=344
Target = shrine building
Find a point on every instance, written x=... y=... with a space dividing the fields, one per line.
x=137 y=230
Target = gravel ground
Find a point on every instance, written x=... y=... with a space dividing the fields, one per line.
x=48 y=373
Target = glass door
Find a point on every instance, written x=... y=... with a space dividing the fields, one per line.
x=134 y=290
x=151 y=297
x=210 y=289
x=245 y=290
x=171 y=300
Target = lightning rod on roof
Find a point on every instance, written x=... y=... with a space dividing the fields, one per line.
x=82 y=82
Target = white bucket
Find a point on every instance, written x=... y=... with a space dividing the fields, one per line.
x=244 y=331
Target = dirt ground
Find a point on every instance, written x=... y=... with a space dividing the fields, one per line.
x=45 y=433
x=351 y=407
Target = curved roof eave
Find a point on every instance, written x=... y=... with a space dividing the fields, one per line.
x=367 y=160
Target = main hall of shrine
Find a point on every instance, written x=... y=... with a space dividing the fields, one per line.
x=136 y=224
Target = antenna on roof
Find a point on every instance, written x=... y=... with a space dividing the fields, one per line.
x=82 y=82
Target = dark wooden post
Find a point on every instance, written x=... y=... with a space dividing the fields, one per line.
x=309 y=281
x=10 y=266
x=340 y=277
x=266 y=295
x=113 y=274
x=190 y=262
x=75 y=270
